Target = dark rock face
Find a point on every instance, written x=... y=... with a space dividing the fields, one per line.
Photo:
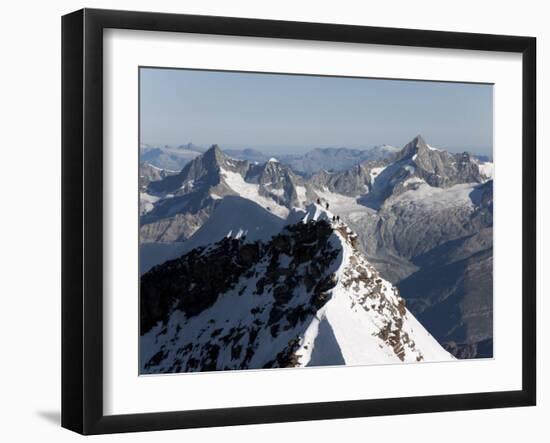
x=437 y=168
x=277 y=181
x=203 y=169
x=191 y=283
x=352 y=182
x=301 y=256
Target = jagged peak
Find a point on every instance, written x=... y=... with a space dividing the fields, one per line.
x=416 y=145
x=214 y=151
x=419 y=140
x=273 y=166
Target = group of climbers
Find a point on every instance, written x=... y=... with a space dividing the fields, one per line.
x=335 y=218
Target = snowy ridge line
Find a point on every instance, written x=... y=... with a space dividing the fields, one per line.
x=307 y=297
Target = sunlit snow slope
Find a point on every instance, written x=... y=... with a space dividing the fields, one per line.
x=305 y=297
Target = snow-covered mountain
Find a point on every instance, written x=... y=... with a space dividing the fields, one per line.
x=352 y=182
x=423 y=218
x=416 y=163
x=318 y=159
x=425 y=221
x=304 y=296
x=186 y=200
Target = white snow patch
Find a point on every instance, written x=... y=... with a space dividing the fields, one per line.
x=317 y=212
x=428 y=198
x=189 y=185
x=170 y=171
x=278 y=192
x=301 y=191
x=146 y=202
x=413 y=180
x=343 y=205
x=375 y=172
x=251 y=191
x=487 y=169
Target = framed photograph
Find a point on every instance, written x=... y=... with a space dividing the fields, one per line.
x=269 y=221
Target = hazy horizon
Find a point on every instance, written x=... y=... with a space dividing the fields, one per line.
x=298 y=150
x=292 y=114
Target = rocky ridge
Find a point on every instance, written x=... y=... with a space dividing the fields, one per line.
x=238 y=305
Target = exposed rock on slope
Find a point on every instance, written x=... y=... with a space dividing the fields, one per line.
x=186 y=200
x=305 y=297
x=425 y=222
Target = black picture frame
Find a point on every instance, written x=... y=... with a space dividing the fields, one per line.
x=82 y=215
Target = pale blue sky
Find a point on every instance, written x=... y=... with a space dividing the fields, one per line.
x=290 y=113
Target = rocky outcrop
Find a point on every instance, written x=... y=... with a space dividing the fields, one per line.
x=193 y=282
x=353 y=182
x=241 y=305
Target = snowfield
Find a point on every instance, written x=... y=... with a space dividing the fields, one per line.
x=146 y=202
x=344 y=206
x=487 y=169
x=429 y=198
x=251 y=191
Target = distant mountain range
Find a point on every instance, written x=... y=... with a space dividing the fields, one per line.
x=337 y=159
x=330 y=159
x=422 y=216
x=170 y=157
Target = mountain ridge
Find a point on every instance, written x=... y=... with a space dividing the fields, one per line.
x=415 y=213
x=244 y=315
